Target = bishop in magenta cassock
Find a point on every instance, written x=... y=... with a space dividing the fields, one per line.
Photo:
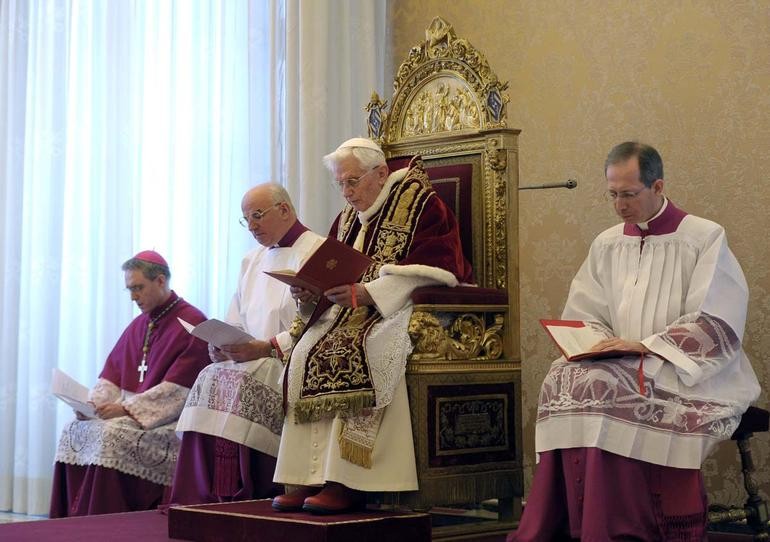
x=124 y=459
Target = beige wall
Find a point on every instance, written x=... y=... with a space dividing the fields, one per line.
x=690 y=78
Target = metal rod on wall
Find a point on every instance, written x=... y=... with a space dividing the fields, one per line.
x=570 y=184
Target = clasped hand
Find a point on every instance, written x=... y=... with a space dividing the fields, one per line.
x=106 y=411
x=616 y=343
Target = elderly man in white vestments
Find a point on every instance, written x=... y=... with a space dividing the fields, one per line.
x=233 y=416
x=347 y=428
x=621 y=440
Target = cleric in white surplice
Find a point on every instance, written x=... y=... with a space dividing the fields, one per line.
x=621 y=441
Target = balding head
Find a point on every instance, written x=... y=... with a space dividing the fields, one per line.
x=268 y=212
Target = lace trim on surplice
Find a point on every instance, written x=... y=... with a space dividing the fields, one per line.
x=122 y=445
x=610 y=388
x=708 y=341
x=242 y=393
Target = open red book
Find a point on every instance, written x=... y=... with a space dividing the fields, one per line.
x=333 y=263
x=576 y=337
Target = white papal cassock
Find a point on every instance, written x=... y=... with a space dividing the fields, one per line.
x=414 y=241
x=393 y=455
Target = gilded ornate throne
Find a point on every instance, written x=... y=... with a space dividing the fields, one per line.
x=464 y=373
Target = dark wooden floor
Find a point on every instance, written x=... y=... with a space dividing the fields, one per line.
x=712 y=537
x=499 y=535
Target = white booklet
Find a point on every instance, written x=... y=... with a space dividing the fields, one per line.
x=71 y=392
x=217 y=332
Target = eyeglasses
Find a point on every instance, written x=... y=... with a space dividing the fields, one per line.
x=257 y=215
x=623 y=196
x=352 y=183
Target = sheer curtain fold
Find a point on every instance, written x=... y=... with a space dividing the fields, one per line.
x=334 y=53
x=127 y=125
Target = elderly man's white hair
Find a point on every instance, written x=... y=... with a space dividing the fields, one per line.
x=366 y=151
x=278 y=193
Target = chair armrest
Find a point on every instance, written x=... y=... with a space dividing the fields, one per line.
x=460 y=295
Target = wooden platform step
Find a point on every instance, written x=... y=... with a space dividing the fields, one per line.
x=256 y=521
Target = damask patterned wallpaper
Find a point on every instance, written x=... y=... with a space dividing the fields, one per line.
x=692 y=78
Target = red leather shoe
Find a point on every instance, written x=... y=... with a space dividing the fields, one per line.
x=293 y=501
x=335 y=499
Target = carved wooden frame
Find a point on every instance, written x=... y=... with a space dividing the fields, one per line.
x=462 y=346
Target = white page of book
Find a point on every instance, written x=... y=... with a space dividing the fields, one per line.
x=575 y=340
x=217 y=332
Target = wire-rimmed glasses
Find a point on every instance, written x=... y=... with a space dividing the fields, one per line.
x=257 y=215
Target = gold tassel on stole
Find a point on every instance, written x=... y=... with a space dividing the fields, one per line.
x=313 y=409
x=358 y=436
x=355 y=453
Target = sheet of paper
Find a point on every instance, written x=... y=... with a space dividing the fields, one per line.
x=217 y=332
x=71 y=392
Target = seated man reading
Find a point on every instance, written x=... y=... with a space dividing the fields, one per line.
x=234 y=414
x=621 y=440
x=347 y=428
x=124 y=460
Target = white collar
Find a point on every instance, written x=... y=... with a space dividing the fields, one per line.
x=646 y=225
x=374 y=208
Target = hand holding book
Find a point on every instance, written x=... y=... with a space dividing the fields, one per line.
x=580 y=340
x=616 y=344
x=332 y=264
x=349 y=295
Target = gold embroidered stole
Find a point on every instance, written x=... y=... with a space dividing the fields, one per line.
x=337 y=379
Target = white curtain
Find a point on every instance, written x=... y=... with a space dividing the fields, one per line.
x=129 y=125
x=332 y=59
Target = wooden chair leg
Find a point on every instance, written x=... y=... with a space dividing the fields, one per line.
x=509 y=509
x=756 y=507
x=755 y=510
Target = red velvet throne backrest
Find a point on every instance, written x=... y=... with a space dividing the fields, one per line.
x=453 y=184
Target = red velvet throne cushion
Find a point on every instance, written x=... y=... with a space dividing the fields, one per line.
x=453 y=184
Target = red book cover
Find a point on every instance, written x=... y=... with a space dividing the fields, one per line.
x=574 y=338
x=332 y=264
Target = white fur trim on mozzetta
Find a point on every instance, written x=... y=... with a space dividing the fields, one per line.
x=364 y=216
x=417 y=270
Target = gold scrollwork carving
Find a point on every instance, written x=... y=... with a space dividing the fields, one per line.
x=445 y=84
x=492 y=340
x=498 y=159
x=496 y=164
x=446 y=149
x=467 y=337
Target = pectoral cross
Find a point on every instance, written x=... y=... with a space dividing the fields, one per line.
x=146 y=346
x=142 y=368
